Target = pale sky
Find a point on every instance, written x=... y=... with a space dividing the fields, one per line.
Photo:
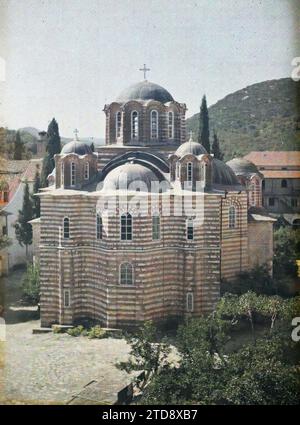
x=67 y=58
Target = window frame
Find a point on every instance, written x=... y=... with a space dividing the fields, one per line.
x=171 y=125
x=126 y=265
x=99 y=227
x=232 y=217
x=73 y=174
x=134 y=125
x=67 y=296
x=189 y=228
x=156 y=227
x=284 y=184
x=189 y=173
x=86 y=171
x=118 y=124
x=189 y=302
x=66 y=220
x=154 y=130
x=127 y=226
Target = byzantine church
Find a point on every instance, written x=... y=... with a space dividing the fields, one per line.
x=124 y=268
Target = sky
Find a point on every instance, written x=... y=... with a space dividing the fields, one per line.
x=68 y=58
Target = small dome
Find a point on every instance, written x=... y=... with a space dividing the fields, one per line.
x=75 y=146
x=242 y=166
x=145 y=91
x=190 y=147
x=222 y=174
x=123 y=177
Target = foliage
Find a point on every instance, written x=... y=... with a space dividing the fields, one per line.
x=36 y=199
x=207 y=372
x=96 y=332
x=31 y=284
x=216 y=148
x=5 y=241
x=53 y=147
x=23 y=229
x=18 y=147
x=203 y=132
x=77 y=331
x=146 y=355
x=92 y=147
x=259 y=117
x=286 y=251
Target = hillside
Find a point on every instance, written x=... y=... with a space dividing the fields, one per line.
x=262 y=116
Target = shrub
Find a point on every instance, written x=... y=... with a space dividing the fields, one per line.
x=31 y=284
x=77 y=331
x=96 y=332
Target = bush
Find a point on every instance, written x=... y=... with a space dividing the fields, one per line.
x=77 y=331
x=96 y=332
x=31 y=284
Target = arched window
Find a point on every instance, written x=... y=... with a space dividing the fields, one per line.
x=67 y=298
x=66 y=228
x=73 y=173
x=190 y=302
x=126 y=227
x=86 y=171
x=263 y=185
x=156 y=227
x=99 y=227
x=177 y=170
x=190 y=229
x=189 y=173
x=118 y=124
x=283 y=183
x=134 y=125
x=154 y=124
x=231 y=217
x=62 y=172
x=170 y=125
x=126 y=274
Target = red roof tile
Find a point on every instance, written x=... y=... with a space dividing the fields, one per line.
x=271 y=158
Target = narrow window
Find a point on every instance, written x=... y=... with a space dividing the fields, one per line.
x=271 y=202
x=263 y=184
x=73 y=173
x=118 y=124
x=231 y=217
x=5 y=196
x=66 y=228
x=154 y=124
x=294 y=202
x=67 y=298
x=62 y=172
x=190 y=302
x=189 y=174
x=99 y=227
x=86 y=171
x=190 y=229
x=283 y=183
x=134 y=125
x=156 y=227
x=170 y=125
x=126 y=227
x=126 y=274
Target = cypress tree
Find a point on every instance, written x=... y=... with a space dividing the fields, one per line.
x=216 y=148
x=92 y=147
x=203 y=135
x=36 y=199
x=53 y=147
x=18 y=147
x=23 y=229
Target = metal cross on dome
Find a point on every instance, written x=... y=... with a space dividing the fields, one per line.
x=144 y=70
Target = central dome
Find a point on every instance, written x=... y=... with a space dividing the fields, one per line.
x=145 y=91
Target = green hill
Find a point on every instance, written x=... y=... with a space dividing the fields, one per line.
x=262 y=116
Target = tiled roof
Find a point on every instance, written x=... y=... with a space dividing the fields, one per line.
x=281 y=174
x=271 y=158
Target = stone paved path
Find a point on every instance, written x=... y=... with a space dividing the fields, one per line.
x=53 y=367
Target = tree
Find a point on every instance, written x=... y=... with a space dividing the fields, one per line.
x=31 y=284
x=36 y=199
x=18 y=147
x=216 y=148
x=92 y=147
x=53 y=147
x=146 y=354
x=203 y=135
x=23 y=229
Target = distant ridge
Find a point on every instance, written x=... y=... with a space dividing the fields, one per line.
x=263 y=116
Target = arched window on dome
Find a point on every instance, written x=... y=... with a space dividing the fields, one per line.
x=177 y=170
x=171 y=125
x=154 y=124
x=126 y=227
x=126 y=274
x=232 y=217
x=134 y=125
x=73 y=174
x=189 y=174
x=86 y=171
x=66 y=227
x=118 y=124
x=190 y=229
x=190 y=302
x=99 y=227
